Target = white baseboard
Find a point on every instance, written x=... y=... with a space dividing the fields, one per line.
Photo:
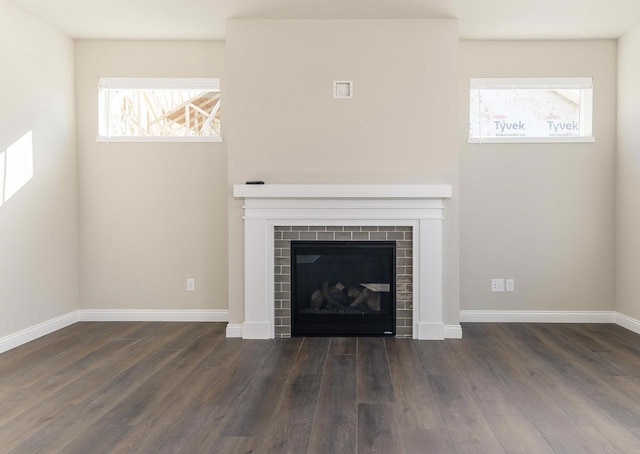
x=234 y=330
x=452 y=332
x=153 y=315
x=538 y=316
x=627 y=322
x=34 y=332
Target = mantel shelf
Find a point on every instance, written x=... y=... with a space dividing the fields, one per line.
x=343 y=191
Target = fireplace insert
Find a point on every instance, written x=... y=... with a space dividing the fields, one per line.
x=343 y=288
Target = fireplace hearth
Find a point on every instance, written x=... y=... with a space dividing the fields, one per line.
x=343 y=288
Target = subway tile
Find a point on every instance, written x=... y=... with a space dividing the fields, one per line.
x=283 y=312
x=405 y=313
x=290 y=235
x=361 y=236
x=343 y=236
x=326 y=236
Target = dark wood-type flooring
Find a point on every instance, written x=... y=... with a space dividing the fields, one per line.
x=183 y=387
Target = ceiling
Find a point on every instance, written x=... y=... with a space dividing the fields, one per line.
x=205 y=19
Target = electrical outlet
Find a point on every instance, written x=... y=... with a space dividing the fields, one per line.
x=191 y=285
x=497 y=285
x=511 y=285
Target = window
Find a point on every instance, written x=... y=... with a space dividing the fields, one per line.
x=531 y=110
x=158 y=110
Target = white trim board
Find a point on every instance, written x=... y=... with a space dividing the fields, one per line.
x=36 y=331
x=538 y=316
x=153 y=315
x=109 y=315
x=450 y=331
x=551 y=317
x=235 y=330
x=627 y=322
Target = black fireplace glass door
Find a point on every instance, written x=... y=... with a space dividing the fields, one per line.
x=343 y=288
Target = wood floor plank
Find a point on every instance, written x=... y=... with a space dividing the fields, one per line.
x=158 y=431
x=335 y=428
x=290 y=428
x=542 y=410
x=180 y=390
x=416 y=406
x=470 y=432
x=432 y=441
x=137 y=406
x=225 y=394
x=377 y=429
x=94 y=393
x=312 y=355
x=605 y=432
x=374 y=376
x=584 y=371
x=252 y=413
x=436 y=359
x=47 y=438
x=480 y=366
x=21 y=400
x=517 y=435
x=183 y=387
x=343 y=346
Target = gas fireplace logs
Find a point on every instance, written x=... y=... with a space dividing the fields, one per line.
x=334 y=297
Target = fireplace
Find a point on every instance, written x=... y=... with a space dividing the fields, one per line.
x=275 y=213
x=343 y=288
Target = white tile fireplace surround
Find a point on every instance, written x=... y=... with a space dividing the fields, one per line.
x=417 y=206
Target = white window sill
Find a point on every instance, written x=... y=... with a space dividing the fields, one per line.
x=531 y=140
x=104 y=139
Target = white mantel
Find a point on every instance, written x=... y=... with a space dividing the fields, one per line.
x=418 y=206
x=342 y=191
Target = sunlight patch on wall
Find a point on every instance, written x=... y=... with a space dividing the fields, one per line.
x=16 y=167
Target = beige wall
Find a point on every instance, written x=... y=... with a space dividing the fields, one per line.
x=542 y=214
x=151 y=214
x=285 y=127
x=628 y=176
x=39 y=224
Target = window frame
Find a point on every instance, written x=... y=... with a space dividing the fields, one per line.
x=584 y=84
x=206 y=83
